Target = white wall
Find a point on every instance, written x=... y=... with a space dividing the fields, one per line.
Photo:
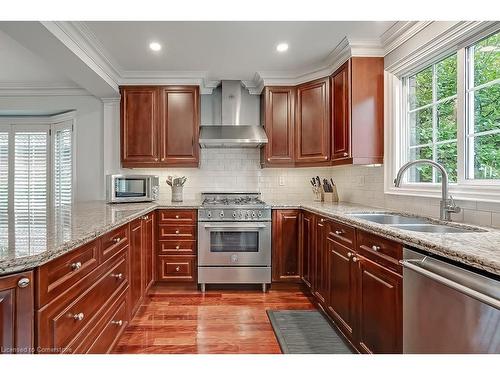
x=88 y=135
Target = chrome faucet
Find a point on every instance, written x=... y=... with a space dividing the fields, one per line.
x=447 y=206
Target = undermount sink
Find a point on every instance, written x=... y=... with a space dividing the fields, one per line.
x=383 y=218
x=435 y=228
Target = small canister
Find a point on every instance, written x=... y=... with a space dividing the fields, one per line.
x=177 y=193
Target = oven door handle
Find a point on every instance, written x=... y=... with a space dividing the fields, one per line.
x=226 y=227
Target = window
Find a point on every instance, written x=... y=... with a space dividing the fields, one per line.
x=452 y=116
x=36 y=172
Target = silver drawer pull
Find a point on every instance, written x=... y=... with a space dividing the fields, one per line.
x=177 y=247
x=322 y=220
x=349 y=255
x=23 y=283
x=345 y=154
x=78 y=316
x=117 y=239
x=117 y=322
x=375 y=248
x=354 y=259
x=177 y=231
x=117 y=276
x=339 y=232
x=76 y=266
x=177 y=269
x=176 y=216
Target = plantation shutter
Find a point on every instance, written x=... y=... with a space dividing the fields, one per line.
x=31 y=158
x=4 y=189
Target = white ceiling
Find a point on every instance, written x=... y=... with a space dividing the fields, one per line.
x=225 y=50
x=18 y=64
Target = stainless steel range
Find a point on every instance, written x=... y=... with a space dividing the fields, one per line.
x=234 y=240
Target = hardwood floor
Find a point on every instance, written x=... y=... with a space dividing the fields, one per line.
x=220 y=321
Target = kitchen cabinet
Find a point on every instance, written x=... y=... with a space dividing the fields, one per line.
x=379 y=308
x=179 y=126
x=140 y=127
x=278 y=107
x=149 y=249
x=307 y=245
x=176 y=256
x=16 y=313
x=312 y=123
x=321 y=276
x=286 y=245
x=159 y=126
x=136 y=265
x=357 y=107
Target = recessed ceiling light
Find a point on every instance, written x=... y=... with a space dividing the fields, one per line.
x=155 y=46
x=282 y=47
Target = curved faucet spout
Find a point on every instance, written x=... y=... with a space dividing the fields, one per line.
x=447 y=204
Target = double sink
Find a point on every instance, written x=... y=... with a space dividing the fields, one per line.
x=413 y=223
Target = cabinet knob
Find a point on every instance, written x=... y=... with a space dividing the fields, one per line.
x=177 y=247
x=354 y=259
x=162 y=159
x=375 y=248
x=345 y=154
x=177 y=231
x=76 y=266
x=349 y=255
x=117 y=322
x=78 y=316
x=322 y=220
x=23 y=283
x=117 y=276
x=177 y=269
x=339 y=232
x=176 y=216
x=156 y=159
x=117 y=239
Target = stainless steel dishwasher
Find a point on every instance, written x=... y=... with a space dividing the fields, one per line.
x=447 y=308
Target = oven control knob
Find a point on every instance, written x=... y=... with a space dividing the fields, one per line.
x=209 y=214
x=234 y=258
x=248 y=213
x=222 y=214
x=253 y=214
x=234 y=213
x=259 y=214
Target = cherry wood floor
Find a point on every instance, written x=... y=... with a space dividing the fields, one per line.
x=219 y=321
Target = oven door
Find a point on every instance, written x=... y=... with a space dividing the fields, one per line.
x=234 y=244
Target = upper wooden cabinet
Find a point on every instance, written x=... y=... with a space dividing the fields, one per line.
x=159 y=126
x=139 y=127
x=278 y=107
x=357 y=106
x=312 y=124
x=16 y=313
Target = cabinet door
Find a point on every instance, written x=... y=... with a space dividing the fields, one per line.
x=285 y=255
x=148 y=227
x=136 y=264
x=307 y=243
x=341 y=301
x=379 y=308
x=341 y=125
x=279 y=106
x=321 y=261
x=16 y=313
x=139 y=126
x=313 y=123
x=179 y=126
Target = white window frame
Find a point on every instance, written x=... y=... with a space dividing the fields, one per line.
x=396 y=128
x=48 y=124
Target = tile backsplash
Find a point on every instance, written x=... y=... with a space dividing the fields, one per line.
x=239 y=170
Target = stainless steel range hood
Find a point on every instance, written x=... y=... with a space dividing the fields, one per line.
x=239 y=120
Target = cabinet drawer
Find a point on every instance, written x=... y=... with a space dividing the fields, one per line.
x=57 y=276
x=115 y=321
x=177 y=268
x=113 y=242
x=176 y=232
x=60 y=322
x=342 y=233
x=177 y=216
x=380 y=250
x=177 y=248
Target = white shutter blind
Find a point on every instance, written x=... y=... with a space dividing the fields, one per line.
x=4 y=189
x=30 y=190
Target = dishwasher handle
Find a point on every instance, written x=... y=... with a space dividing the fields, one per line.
x=412 y=264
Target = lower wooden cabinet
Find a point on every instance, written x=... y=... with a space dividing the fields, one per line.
x=16 y=313
x=148 y=231
x=379 y=308
x=136 y=265
x=307 y=248
x=177 y=268
x=320 y=275
x=285 y=245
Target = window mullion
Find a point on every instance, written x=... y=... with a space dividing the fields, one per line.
x=434 y=121
x=461 y=113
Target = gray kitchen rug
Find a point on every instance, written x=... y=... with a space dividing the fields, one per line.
x=305 y=332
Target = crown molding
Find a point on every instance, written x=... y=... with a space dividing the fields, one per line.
x=401 y=32
x=41 y=89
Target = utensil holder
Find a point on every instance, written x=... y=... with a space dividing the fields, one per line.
x=318 y=194
x=177 y=193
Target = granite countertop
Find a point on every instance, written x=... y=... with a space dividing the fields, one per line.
x=83 y=222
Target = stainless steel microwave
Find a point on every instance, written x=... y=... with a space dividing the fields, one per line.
x=122 y=188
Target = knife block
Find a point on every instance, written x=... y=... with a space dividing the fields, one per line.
x=331 y=197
